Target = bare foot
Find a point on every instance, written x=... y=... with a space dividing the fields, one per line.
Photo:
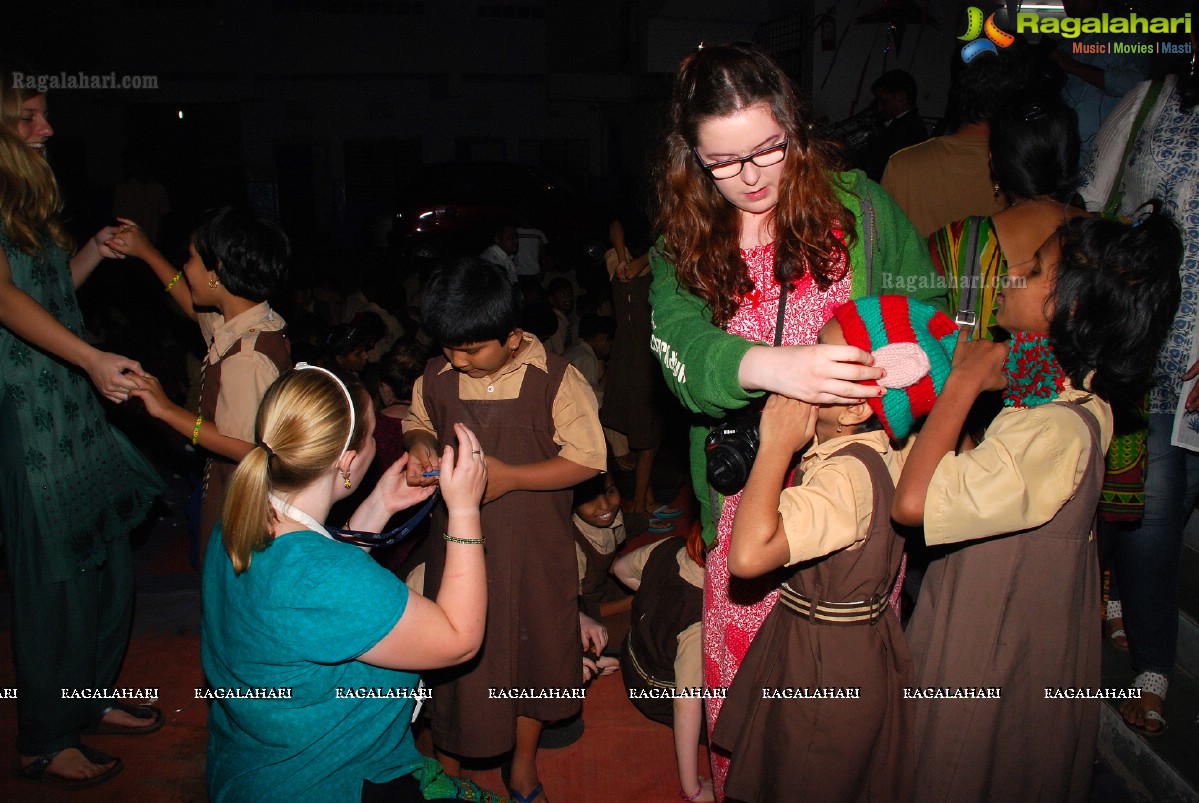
x=123 y=719
x=72 y=764
x=1135 y=712
x=706 y=795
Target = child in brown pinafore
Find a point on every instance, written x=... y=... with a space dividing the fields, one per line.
x=817 y=707
x=536 y=419
x=1012 y=607
x=237 y=260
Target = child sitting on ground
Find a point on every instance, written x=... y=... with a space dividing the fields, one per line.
x=237 y=259
x=661 y=653
x=832 y=627
x=599 y=532
x=537 y=420
x=1013 y=606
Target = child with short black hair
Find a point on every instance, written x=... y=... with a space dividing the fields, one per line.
x=537 y=420
x=1012 y=607
x=237 y=261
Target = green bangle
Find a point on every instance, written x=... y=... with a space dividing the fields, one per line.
x=454 y=540
x=196 y=431
x=171 y=284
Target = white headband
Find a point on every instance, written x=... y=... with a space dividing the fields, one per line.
x=302 y=366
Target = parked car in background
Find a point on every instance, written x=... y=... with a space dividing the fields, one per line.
x=451 y=209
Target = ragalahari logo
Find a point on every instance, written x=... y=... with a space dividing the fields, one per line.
x=995 y=37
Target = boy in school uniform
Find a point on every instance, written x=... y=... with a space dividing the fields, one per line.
x=538 y=423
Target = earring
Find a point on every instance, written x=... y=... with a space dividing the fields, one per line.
x=839 y=428
x=213 y=282
x=996 y=189
x=347 y=481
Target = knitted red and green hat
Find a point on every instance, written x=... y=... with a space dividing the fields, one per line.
x=910 y=339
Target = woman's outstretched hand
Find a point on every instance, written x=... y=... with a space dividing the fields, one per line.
x=463 y=475
x=821 y=374
x=397 y=494
x=113 y=375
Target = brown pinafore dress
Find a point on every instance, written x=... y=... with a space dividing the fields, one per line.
x=217 y=469
x=665 y=606
x=828 y=749
x=1015 y=612
x=532 y=639
x=595 y=587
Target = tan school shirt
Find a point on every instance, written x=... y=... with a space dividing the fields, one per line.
x=1029 y=464
x=245 y=376
x=577 y=429
x=688 y=660
x=832 y=508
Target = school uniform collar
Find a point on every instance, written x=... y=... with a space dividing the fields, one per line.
x=876 y=440
x=226 y=333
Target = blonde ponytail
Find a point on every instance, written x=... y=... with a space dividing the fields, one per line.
x=300 y=432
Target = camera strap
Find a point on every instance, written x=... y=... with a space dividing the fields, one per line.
x=778 y=324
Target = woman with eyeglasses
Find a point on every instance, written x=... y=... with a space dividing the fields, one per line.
x=750 y=203
x=310 y=648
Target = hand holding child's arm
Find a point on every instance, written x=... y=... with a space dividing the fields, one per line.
x=150 y=391
x=391 y=494
x=759 y=543
x=448 y=631
x=977 y=366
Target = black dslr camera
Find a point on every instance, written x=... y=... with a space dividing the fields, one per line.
x=730 y=449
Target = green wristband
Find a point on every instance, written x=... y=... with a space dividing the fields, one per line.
x=453 y=540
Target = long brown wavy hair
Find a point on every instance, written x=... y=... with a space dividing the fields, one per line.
x=30 y=203
x=700 y=228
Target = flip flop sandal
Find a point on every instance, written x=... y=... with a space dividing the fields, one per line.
x=1150 y=716
x=517 y=797
x=36 y=770
x=667 y=512
x=1119 y=639
x=660 y=525
x=1113 y=611
x=152 y=715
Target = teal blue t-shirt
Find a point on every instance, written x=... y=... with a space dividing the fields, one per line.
x=295 y=621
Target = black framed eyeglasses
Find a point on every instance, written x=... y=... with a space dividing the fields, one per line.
x=729 y=168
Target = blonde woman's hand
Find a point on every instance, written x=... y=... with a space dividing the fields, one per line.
x=103 y=241
x=396 y=493
x=130 y=240
x=463 y=475
x=113 y=375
